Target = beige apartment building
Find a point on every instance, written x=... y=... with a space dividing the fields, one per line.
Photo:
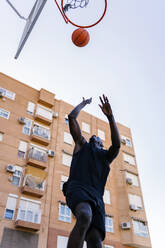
x=35 y=155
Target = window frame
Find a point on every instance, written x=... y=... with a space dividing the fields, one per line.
x=86 y=127
x=108 y=227
x=141 y=232
x=20 y=169
x=15 y=197
x=65 y=216
x=7 y=93
x=135 y=197
x=101 y=134
x=66 y=137
x=28 y=127
x=69 y=157
x=5 y=112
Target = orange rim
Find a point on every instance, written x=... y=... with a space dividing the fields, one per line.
x=86 y=26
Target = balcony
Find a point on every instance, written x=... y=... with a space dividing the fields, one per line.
x=37 y=158
x=41 y=135
x=34 y=182
x=28 y=219
x=30 y=188
x=136 y=236
x=43 y=115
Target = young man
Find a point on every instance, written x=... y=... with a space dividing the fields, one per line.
x=88 y=174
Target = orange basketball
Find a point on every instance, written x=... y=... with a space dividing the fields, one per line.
x=80 y=37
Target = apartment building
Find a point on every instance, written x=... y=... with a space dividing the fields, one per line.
x=35 y=156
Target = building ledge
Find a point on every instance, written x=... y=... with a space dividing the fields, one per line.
x=40 y=140
x=42 y=119
x=33 y=192
x=28 y=225
x=37 y=163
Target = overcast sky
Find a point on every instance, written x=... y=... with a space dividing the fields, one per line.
x=125 y=59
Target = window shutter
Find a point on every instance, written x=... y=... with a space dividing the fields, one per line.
x=106 y=196
x=31 y=107
x=66 y=159
x=67 y=138
x=101 y=134
x=11 y=203
x=62 y=241
x=22 y=146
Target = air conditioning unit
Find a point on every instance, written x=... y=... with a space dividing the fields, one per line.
x=22 y=120
x=133 y=207
x=129 y=181
x=51 y=153
x=10 y=168
x=55 y=114
x=125 y=225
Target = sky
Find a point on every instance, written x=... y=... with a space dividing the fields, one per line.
x=125 y=60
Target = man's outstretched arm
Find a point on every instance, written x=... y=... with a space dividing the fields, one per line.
x=115 y=137
x=73 y=124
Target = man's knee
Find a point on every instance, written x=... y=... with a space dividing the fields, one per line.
x=84 y=215
x=93 y=238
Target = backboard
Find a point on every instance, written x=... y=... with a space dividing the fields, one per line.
x=31 y=20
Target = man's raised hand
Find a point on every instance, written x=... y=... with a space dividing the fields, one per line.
x=87 y=101
x=105 y=107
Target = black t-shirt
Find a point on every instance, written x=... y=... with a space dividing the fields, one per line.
x=90 y=169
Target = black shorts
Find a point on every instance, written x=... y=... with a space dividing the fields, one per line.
x=98 y=213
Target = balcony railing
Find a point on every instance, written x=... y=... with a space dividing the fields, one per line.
x=41 y=132
x=31 y=183
x=37 y=155
x=29 y=215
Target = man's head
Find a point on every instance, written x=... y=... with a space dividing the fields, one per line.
x=96 y=141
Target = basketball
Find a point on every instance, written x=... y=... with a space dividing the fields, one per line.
x=80 y=37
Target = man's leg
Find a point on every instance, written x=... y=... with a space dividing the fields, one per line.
x=94 y=239
x=83 y=214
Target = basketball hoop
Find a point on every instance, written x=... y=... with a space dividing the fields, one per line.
x=73 y=4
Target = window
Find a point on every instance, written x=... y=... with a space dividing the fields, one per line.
x=22 y=149
x=140 y=228
x=66 y=119
x=128 y=159
x=106 y=197
x=63 y=180
x=30 y=108
x=41 y=131
x=10 y=206
x=66 y=159
x=64 y=213
x=62 y=242
x=135 y=200
x=85 y=127
x=4 y=113
x=27 y=127
x=126 y=140
x=133 y=177
x=101 y=134
x=68 y=138
x=1 y=136
x=16 y=178
x=7 y=93
x=109 y=224
x=29 y=210
x=45 y=112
